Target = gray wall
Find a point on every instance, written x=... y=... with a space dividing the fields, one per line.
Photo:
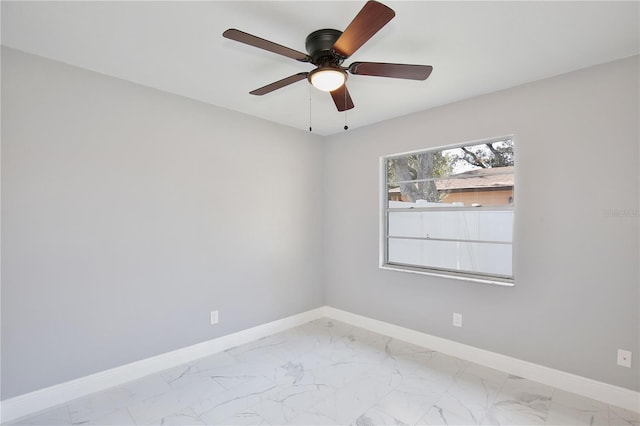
x=576 y=299
x=128 y=214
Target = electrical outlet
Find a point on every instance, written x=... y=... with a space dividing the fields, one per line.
x=624 y=358
x=213 y=317
x=457 y=320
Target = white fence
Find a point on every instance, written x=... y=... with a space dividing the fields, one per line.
x=485 y=235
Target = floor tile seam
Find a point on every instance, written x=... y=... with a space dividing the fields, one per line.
x=284 y=407
x=136 y=399
x=543 y=416
x=93 y=420
x=133 y=421
x=233 y=416
x=196 y=416
x=20 y=420
x=555 y=404
x=500 y=391
x=484 y=409
x=314 y=352
x=78 y=420
x=267 y=397
x=366 y=374
x=326 y=397
x=379 y=407
x=265 y=374
x=68 y=408
x=311 y=413
x=184 y=387
x=446 y=389
x=377 y=401
x=421 y=418
x=633 y=419
x=309 y=410
x=433 y=407
x=185 y=411
x=546 y=414
x=380 y=398
x=295 y=356
x=493 y=404
x=485 y=404
x=489 y=403
x=200 y=415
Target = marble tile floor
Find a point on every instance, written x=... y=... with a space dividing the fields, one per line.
x=330 y=373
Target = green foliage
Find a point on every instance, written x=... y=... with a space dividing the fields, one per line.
x=423 y=167
x=495 y=154
x=420 y=167
x=442 y=167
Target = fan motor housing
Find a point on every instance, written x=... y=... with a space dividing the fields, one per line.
x=319 y=45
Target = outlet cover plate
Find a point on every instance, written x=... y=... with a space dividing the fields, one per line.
x=624 y=358
x=457 y=319
x=213 y=317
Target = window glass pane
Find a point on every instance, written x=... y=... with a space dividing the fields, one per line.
x=483 y=187
x=463 y=225
x=479 y=174
x=480 y=258
x=410 y=177
x=487 y=155
x=451 y=209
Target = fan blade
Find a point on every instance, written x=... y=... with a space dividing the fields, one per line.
x=342 y=98
x=367 y=22
x=279 y=84
x=261 y=43
x=380 y=69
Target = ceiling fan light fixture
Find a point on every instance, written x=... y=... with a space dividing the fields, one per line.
x=327 y=79
x=328 y=48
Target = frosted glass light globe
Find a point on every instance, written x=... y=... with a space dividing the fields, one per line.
x=327 y=79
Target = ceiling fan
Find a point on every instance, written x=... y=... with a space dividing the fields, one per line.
x=327 y=49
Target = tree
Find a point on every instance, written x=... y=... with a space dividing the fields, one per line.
x=494 y=154
x=416 y=172
x=417 y=167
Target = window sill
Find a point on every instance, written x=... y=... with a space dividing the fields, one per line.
x=482 y=280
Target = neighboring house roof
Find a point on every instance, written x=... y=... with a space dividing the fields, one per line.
x=499 y=177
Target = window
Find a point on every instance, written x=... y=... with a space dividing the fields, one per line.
x=450 y=211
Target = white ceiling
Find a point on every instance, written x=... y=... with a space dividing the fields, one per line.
x=475 y=47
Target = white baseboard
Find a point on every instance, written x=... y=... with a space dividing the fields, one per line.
x=590 y=388
x=39 y=400
x=42 y=399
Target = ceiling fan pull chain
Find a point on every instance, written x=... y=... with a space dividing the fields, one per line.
x=345 y=110
x=310 y=128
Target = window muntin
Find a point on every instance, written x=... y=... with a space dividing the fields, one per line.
x=450 y=211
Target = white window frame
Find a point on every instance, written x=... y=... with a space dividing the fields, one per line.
x=501 y=280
